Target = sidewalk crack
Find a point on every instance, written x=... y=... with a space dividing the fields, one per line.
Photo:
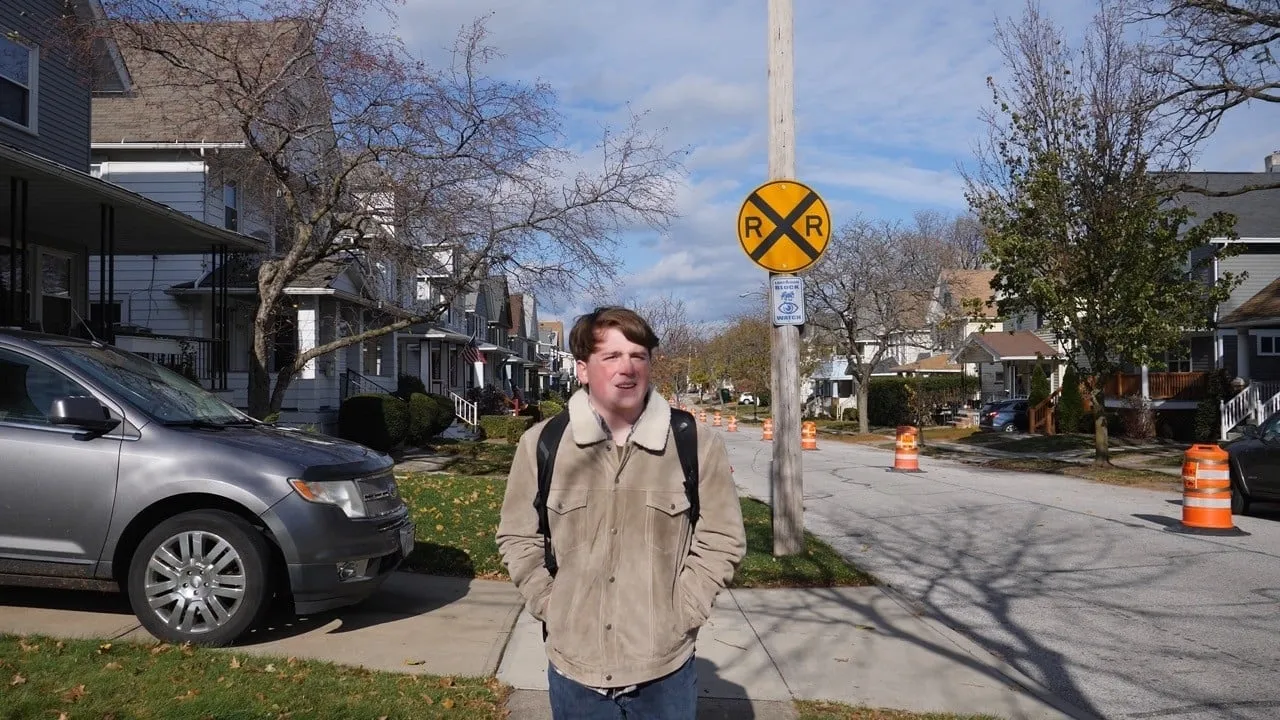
x=772 y=660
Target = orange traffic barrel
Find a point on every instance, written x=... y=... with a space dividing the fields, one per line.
x=716 y=421
x=1206 y=490
x=808 y=435
x=906 y=454
x=733 y=423
x=768 y=429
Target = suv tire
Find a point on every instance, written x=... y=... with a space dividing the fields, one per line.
x=200 y=577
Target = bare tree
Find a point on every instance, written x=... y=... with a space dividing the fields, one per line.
x=1213 y=56
x=677 y=337
x=870 y=290
x=369 y=154
x=957 y=240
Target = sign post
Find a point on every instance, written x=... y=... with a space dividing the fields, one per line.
x=784 y=226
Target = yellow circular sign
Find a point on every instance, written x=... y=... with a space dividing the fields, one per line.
x=784 y=226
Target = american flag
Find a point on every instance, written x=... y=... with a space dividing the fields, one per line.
x=471 y=352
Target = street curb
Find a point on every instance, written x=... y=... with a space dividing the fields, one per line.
x=494 y=660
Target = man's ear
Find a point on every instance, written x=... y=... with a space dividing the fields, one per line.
x=581 y=368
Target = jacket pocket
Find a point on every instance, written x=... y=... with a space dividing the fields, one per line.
x=567 y=519
x=666 y=520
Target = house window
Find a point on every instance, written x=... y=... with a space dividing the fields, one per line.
x=1268 y=344
x=1178 y=360
x=114 y=314
x=56 y=302
x=231 y=206
x=18 y=72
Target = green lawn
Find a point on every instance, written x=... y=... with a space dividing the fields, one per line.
x=457 y=519
x=838 y=711
x=64 y=679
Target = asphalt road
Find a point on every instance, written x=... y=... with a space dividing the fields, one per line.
x=1080 y=586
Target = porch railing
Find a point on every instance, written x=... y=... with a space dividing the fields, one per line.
x=1040 y=418
x=353 y=383
x=1161 y=385
x=198 y=359
x=1238 y=409
x=465 y=410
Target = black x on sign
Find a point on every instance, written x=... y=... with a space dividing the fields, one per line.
x=784 y=226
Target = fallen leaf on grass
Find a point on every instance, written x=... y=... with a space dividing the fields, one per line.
x=104 y=648
x=112 y=666
x=235 y=663
x=162 y=647
x=446 y=682
x=269 y=668
x=865 y=627
x=188 y=695
x=18 y=680
x=447 y=703
x=26 y=646
x=415 y=662
x=75 y=693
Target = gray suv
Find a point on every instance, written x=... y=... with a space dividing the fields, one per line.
x=121 y=474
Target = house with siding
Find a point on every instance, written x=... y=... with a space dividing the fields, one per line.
x=196 y=311
x=55 y=215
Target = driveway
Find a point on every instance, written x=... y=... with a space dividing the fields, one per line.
x=1083 y=587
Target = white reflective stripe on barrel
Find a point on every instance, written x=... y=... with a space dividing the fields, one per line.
x=1206 y=502
x=1206 y=474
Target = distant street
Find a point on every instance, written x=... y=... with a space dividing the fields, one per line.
x=1077 y=584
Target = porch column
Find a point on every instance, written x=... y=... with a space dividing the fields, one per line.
x=1146 y=384
x=1242 y=353
x=308 y=335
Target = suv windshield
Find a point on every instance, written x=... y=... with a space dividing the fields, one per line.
x=154 y=389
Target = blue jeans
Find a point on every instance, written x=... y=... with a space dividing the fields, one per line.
x=673 y=697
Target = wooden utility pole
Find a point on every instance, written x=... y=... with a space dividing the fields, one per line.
x=786 y=477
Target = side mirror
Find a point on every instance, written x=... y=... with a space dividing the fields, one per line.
x=82 y=412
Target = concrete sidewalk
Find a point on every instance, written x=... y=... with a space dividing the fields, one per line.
x=762 y=649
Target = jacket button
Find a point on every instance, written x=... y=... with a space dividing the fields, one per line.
x=610 y=578
x=614 y=531
x=673 y=506
x=608 y=677
x=609 y=626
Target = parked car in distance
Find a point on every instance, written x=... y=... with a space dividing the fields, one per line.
x=1253 y=461
x=1005 y=416
x=123 y=475
x=747 y=398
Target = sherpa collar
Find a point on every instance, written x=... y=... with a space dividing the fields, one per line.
x=649 y=432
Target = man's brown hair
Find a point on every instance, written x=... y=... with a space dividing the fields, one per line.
x=583 y=336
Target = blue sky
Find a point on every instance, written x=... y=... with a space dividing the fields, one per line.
x=887 y=94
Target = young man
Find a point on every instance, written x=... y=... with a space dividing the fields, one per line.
x=635 y=575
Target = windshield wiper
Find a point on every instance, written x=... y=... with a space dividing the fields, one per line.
x=209 y=424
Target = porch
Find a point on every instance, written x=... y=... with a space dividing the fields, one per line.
x=54 y=218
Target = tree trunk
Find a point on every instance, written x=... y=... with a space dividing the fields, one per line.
x=1101 y=454
x=259 y=376
x=864 y=422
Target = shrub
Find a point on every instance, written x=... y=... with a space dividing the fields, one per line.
x=1137 y=418
x=534 y=411
x=380 y=422
x=1039 y=387
x=428 y=417
x=510 y=427
x=1208 y=419
x=550 y=408
x=1071 y=403
x=408 y=385
x=489 y=400
x=889 y=401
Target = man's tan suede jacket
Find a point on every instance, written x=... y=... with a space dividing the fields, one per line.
x=634 y=585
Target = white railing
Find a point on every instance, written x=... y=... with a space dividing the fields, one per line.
x=1268 y=407
x=1238 y=409
x=465 y=410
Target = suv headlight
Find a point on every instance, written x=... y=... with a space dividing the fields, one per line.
x=343 y=493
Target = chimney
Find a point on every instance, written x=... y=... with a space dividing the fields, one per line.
x=1272 y=162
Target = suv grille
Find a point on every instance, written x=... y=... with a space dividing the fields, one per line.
x=381 y=494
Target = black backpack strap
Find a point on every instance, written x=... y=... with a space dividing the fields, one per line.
x=548 y=445
x=685 y=430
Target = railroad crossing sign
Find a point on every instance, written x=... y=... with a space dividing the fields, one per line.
x=784 y=226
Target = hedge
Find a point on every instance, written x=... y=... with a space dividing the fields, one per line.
x=380 y=422
x=550 y=408
x=429 y=415
x=894 y=401
x=510 y=427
